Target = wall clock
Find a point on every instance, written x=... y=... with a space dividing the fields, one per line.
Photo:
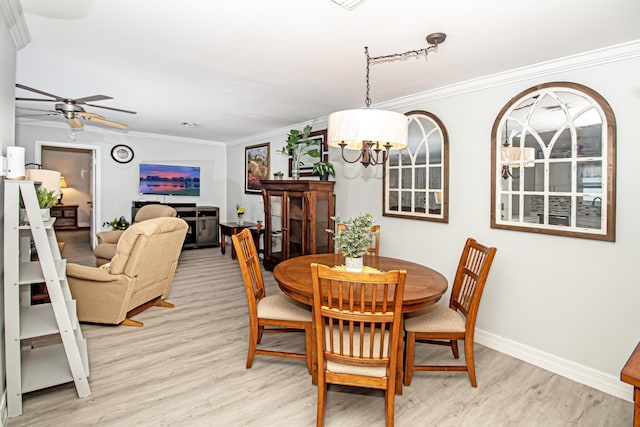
x=122 y=153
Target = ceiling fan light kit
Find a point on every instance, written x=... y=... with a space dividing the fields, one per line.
x=348 y=4
x=71 y=108
x=375 y=132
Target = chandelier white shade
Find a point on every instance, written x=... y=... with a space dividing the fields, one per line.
x=352 y=128
x=374 y=132
x=514 y=157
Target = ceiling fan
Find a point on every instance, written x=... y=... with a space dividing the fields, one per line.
x=71 y=108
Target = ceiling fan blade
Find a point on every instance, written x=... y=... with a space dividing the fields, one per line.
x=89 y=116
x=35 y=99
x=75 y=123
x=35 y=115
x=107 y=122
x=112 y=109
x=92 y=98
x=41 y=92
x=37 y=109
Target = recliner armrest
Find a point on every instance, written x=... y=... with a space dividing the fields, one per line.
x=84 y=272
x=109 y=236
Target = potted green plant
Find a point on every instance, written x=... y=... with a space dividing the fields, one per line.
x=299 y=144
x=353 y=239
x=278 y=175
x=324 y=169
x=46 y=199
x=117 y=223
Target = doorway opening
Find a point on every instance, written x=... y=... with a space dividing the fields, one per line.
x=79 y=166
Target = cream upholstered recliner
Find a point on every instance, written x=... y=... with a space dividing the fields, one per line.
x=107 y=240
x=139 y=276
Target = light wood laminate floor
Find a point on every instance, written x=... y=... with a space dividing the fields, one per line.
x=186 y=367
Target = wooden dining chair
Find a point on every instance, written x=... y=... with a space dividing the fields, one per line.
x=446 y=325
x=357 y=318
x=375 y=238
x=272 y=313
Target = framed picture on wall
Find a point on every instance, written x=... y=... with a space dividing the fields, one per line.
x=306 y=169
x=256 y=167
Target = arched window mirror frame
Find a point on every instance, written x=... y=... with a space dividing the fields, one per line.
x=426 y=182
x=583 y=206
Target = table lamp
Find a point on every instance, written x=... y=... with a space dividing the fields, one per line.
x=63 y=184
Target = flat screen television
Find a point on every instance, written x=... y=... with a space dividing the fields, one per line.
x=169 y=180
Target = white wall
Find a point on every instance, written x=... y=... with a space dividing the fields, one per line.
x=569 y=305
x=120 y=181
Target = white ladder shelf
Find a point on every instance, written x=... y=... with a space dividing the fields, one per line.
x=30 y=367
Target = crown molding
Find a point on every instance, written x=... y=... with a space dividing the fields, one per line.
x=616 y=53
x=13 y=16
x=120 y=133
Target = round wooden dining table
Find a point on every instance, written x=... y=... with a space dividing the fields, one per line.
x=423 y=287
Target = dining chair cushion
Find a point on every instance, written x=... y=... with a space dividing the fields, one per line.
x=281 y=307
x=436 y=319
x=345 y=368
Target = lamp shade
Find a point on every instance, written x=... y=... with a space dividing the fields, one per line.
x=513 y=155
x=352 y=127
x=50 y=179
x=63 y=182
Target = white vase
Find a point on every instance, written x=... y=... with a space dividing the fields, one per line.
x=354 y=265
x=44 y=213
x=240 y=220
x=295 y=163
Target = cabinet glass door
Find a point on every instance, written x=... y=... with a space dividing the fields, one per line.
x=322 y=224
x=296 y=226
x=276 y=227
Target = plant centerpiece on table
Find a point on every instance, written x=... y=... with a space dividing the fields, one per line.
x=299 y=144
x=117 y=223
x=354 y=239
x=240 y=210
x=278 y=175
x=324 y=169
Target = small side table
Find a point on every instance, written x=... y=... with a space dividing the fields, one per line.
x=66 y=217
x=256 y=238
x=630 y=374
x=229 y=229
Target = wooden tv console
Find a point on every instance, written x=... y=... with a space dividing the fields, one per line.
x=203 y=222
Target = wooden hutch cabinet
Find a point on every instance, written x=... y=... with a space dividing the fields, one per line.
x=297 y=214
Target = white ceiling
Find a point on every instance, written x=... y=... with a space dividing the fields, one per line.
x=238 y=68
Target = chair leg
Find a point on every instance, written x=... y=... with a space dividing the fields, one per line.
x=260 y=332
x=131 y=322
x=389 y=400
x=162 y=303
x=322 y=403
x=408 y=357
x=254 y=339
x=454 y=349
x=308 y=339
x=471 y=367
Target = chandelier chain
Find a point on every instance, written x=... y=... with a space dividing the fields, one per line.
x=392 y=57
x=367 y=100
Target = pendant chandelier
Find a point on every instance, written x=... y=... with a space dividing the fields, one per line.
x=370 y=131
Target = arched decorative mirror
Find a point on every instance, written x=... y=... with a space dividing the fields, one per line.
x=416 y=178
x=554 y=163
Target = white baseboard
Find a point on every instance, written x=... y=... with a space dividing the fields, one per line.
x=3 y=410
x=568 y=369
